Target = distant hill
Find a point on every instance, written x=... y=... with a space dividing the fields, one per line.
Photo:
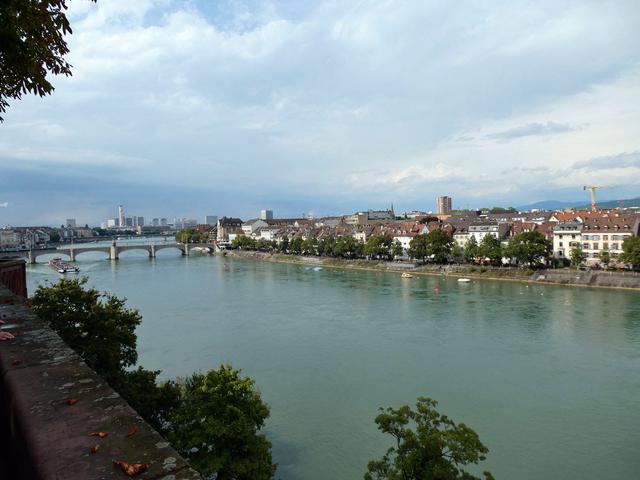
x=558 y=205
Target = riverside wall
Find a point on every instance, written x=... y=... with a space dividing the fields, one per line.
x=571 y=277
x=50 y=403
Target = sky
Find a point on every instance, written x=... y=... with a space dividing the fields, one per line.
x=188 y=108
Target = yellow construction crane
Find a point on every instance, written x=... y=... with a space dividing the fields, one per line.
x=592 y=188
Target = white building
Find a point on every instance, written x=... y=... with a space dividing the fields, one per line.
x=566 y=236
x=251 y=226
x=266 y=214
x=481 y=230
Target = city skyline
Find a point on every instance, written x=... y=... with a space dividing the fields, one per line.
x=499 y=104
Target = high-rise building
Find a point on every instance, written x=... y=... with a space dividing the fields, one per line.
x=138 y=221
x=163 y=222
x=128 y=222
x=71 y=223
x=155 y=222
x=112 y=222
x=121 y=220
x=266 y=214
x=444 y=205
x=211 y=220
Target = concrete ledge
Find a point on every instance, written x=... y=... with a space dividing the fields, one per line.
x=42 y=436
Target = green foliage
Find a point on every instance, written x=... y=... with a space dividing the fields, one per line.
x=217 y=426
x=529 y=248
x=457 y=253
x=96 y=325
x=490 y=247
x=577 y=256
x=631 y=251
x=503 y=210
x=190 y=235
x=436 y=449
x=396 y=249
x=154 y=402
x=295 y=246
x=436 y=245
x=284 y=244
x=244 y=243
x=471 y=251
x=605 y=257
x=378 y=246
x=32 y=45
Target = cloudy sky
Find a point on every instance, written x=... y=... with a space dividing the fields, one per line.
x=187 y=108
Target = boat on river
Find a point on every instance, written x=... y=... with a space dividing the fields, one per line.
x=406 y=275
x=463 y=280
x=61 y=266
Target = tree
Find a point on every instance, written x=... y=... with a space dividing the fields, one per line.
x=98 y=326
x=631 y=251
x=32 y=44
x=605 y=257
x=295 y=246
x=457 y=253
x=437 y=449
x=190 y=235
x=471 y=250
x=439 y=245
x=284 y=244
x=396 y=249
x=491 y=248
x=529 y=248
x=577 y=256
x=378 y=246
x=418 y=247
x=217 y=426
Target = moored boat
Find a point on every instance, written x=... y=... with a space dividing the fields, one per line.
x=406 y=275
x=464 y=280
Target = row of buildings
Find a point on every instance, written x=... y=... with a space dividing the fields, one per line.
x=593 y=231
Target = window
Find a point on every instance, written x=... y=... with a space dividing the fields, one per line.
x=560 y=244
x=595 y=237
x=573 y=237
x=596 y=246
x=585 y=246
x=605 y=245
x=585 y=237
x=605 y=237
x=614 y=246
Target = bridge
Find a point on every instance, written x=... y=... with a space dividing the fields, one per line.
x=113 y=251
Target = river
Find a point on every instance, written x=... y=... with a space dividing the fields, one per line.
x=548 y=376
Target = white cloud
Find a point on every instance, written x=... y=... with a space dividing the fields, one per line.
x=411 y=98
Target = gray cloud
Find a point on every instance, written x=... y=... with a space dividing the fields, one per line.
x=549 y=128
x=280 y=104
x=622 y=160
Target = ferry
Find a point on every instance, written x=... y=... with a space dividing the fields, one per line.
x=61 y=266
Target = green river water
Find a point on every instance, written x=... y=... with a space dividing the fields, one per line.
x=548 y=376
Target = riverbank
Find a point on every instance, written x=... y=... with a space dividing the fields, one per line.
x=596 y=279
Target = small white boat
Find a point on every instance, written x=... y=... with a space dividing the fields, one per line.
x=464 y=280
x=406 y=275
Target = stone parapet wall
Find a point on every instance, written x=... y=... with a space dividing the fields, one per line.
x=50 y=403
